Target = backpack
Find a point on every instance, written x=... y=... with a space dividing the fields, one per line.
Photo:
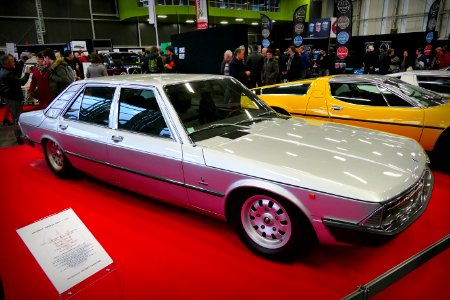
x=153 y=65
x=70 y=74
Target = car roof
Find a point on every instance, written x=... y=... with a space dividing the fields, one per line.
x=358 y=78
x=159 y=80
x=423 y=73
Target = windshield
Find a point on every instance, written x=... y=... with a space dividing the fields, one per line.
x=217 y=107
x=424 y=97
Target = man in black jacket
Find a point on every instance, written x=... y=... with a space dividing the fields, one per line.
x=254 y=64
x=10 y=89
x=293 y=63
x=237 y=67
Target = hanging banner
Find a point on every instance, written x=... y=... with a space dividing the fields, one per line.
x=319 y=28
x=266 y=27
x=299 y=25
x=151 y=12
x=431 y=34
x=201 y=10
x=343 y=12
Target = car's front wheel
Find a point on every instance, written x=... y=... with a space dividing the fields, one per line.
x=56 y=159
x=271 y=227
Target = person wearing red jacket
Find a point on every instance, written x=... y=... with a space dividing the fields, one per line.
x=39 y=87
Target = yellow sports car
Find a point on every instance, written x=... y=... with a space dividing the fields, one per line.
x=372 y=101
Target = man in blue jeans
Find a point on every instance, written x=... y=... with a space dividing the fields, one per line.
x=11 y=91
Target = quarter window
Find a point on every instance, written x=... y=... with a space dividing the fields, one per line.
x=439 y=84
x=393 y=99
x=358 y=93
x=290 y=89
x=139 y=112
x=92 y=105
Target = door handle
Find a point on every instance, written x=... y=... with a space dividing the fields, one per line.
x=117 y=138
x=334 y=107
x=63 y=126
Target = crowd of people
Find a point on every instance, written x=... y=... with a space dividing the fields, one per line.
x=270 y=66
x=53 y=72
x=388 y=62
x=51 y=75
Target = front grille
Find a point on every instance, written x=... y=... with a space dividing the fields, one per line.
x=394 y=214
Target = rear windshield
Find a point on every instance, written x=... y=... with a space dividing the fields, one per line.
x=424 y=97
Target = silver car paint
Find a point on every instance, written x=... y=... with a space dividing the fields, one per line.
x=327 y=170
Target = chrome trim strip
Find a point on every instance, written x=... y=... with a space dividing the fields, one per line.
x=365 y=121
x=167 y=180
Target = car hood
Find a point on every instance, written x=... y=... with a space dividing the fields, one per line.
x=336 y=159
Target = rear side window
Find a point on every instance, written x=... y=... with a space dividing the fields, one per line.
x=92 y=106
x=439 y=84
x=358 y=93
x=288 y=89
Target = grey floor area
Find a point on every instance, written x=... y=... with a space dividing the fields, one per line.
x=7 y=137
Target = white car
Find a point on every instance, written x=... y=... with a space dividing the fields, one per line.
x=434 y=80
x=209 y=144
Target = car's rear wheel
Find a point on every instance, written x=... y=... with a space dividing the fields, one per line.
x=270 y=226
x=440 y=156
x=56 y=159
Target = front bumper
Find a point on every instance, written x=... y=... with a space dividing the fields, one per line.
x=391 y=217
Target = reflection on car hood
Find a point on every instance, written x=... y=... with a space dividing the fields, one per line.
x=349 y=161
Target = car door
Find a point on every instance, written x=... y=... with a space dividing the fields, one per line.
x=83 y=130
x=368 y=105
x=289 y=98
x=145 y=155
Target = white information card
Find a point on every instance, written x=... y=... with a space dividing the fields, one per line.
x=65 y=249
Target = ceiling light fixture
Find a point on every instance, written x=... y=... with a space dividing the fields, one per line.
x=254 y=23
x=162 y=16
x=239 y=19
x=189 y=21
x=223 y=22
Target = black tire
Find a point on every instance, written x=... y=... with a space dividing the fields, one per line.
x=271 y=227
x=441 y=154
x=56 y=160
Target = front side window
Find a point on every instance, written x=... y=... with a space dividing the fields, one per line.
x=358 y=93
x=92 y=106
x=139 y=112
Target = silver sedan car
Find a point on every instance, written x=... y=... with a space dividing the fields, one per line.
x=207 y=143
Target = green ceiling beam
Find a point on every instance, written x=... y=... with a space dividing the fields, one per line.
x=129 y=9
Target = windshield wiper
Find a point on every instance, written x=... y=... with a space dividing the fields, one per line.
x=266 y=113
x=212 y=126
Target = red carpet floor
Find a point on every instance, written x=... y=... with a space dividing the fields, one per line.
x=163 y=252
